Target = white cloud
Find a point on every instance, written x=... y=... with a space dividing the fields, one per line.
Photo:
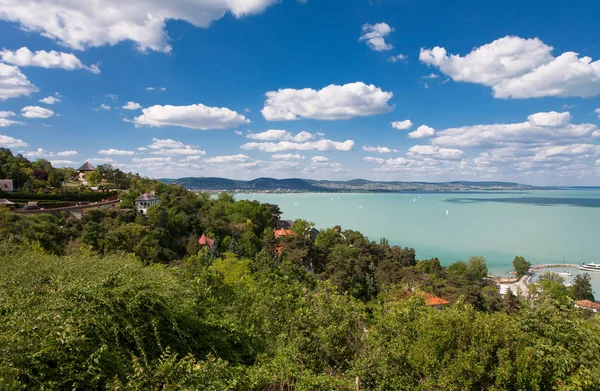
x=319 y=159
x=370 y=159
x=67 y=153
x=9 y=142
x=151 y=160
x=402 y=125
x=13 y=83
x=239 y=158
x=378 y=149
x=374 y=35
x=548 y=127
x=398 y=58
x=56 y=163
x=163 y=88
x=24 y=57
x=102 y=107
x=429 y=150
x=36 y=112
x=81 y=24
x=287 y=156
x=101 y=160
x=196 y=116
x=173 y=147
x=520 y=68
x=422 y=131
x=430 y=76
x=191 y=158
x=239 y=133
x=7 y=122
x=276 y=134
x=333 y=102
x=149 y=88
x=115 y=152
x=132 y=106
x=50 y=100
x=142 y=148
x=320 y=145
x=597 y=111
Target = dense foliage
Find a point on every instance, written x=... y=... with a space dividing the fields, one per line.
x=114 y=300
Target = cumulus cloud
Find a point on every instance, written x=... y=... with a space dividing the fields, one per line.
x=287 y=156
x=172 y=147
x=151 y=159
x=371 y=159
x=276 y=134
x=10 y=142
x=24 y=57
x=36 y=112
x=333 y=102
x=374 y=35
x=102 y=107
x=196 y=116
x=402 y=125
x=41 y=153
x=82 y=24
x=62 y=162
x=4 y=121
x=597 y=111
x=239 y=158
x=433 y=151
x=100 y=160
x=550 y=127
x=398 y=58
x=422 y=131
x=319 y=159
x=13 y=83
x=378 y=149
x=282 y=146
x=50 y=100
x=520 y=68
x=115 y=152
x=132 y=106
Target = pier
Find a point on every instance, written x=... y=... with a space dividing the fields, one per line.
x=553 y=265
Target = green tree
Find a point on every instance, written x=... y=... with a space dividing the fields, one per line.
x=582 y=288
x=521 y=266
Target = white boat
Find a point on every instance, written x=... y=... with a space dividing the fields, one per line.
x=590 y=267
x=565 y=274
x=446 y=212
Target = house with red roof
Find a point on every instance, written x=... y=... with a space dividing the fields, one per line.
x=206 y=241
x=588 y=305
x=433 y=301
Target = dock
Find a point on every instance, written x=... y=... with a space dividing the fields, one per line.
x=553 y=265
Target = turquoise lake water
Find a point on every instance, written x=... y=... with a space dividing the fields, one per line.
x=542 y=226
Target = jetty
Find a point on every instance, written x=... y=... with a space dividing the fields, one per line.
x=553 y=265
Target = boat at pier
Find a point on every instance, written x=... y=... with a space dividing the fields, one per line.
x=591 y=267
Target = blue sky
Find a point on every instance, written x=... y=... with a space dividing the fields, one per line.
x=247 y=88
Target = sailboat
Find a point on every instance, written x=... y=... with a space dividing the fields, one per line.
x=564 y=273
x=446 y=212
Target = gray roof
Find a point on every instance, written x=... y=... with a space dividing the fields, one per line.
x=4 y=201
x=86 y=167
x=6 y=185
x=147 y=197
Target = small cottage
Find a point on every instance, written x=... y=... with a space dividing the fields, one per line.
x=205 y=241
x=6 y=185
x=7 y=203
x=588 y=305
x=83 y=170
x=146 y=200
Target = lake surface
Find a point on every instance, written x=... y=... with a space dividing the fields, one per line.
x=542 y=226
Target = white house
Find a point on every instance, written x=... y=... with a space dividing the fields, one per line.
x=6 y=185
x=146 y=200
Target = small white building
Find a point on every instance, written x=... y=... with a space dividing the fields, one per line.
x=146 y=200
x=6 y=185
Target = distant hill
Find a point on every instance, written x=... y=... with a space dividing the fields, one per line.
x=355 y=185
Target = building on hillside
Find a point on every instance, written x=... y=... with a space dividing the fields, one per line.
x=433 y=301
x=32 y=205
x=206 y=241
x=7 y=203
x=285 y=224
x=279 y=233
x=6 y=185
x=146 y=200
x=588 y=305
x=83 y=170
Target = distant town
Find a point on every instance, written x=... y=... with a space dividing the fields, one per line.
x=295 y=185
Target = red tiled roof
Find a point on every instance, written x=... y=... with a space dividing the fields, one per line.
x=206 y=241
x=587 y=304
x=434 y=300
x=283 y=232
